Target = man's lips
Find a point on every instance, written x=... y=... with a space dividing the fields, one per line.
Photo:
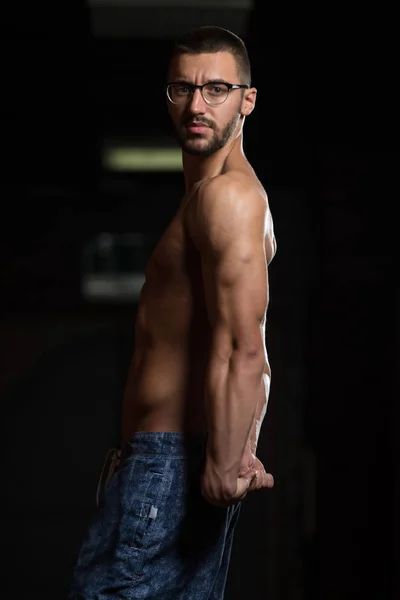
x=197 y=127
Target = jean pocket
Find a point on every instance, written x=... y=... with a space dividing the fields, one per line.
x=146 y=506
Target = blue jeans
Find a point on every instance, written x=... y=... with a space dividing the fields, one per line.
x=154 y=537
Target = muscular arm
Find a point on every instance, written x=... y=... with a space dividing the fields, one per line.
x=260 y=412
x=230 y=235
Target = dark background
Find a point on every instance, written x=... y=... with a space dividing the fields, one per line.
x=323 y=140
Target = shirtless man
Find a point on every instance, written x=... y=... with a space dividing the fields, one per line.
x=199 y=381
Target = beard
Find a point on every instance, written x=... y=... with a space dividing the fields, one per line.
x=189 y=141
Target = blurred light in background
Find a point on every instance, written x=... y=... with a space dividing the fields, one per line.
x=165 y=18
x=142 y=159
x=113 y=267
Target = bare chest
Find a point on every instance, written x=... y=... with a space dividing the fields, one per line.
x=173 y=260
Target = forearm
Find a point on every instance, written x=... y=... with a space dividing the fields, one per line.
x=234 y=400
x=259 y=415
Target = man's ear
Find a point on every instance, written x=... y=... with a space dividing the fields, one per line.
x=249 y=101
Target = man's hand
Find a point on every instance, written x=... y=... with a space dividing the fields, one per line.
x=262 y=479
x=220 y=491
x=251 y=464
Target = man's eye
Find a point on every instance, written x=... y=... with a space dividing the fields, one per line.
x=216 y=90
x=182 y=89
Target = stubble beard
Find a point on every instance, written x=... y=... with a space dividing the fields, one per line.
x=219 y=139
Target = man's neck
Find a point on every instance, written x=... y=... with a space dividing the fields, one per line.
x=200 y=168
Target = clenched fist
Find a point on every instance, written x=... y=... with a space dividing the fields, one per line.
x=259 y=477
x=222 y=490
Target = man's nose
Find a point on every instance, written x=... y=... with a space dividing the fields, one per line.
x=197 y=104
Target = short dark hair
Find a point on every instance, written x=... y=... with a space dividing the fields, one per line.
x=211 y=39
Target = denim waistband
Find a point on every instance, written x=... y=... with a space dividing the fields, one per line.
x=166 y=443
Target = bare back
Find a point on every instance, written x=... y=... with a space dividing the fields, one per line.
x=165 y=388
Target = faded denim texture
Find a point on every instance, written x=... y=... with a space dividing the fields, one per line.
x=154 y=537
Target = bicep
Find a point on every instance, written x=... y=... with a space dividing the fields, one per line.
x=236 y=291
x=230 y=234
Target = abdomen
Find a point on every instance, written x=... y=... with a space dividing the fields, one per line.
x=165 y=388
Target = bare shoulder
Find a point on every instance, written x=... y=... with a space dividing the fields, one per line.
x=232 y=206
x=229 y=201
x=233 y=190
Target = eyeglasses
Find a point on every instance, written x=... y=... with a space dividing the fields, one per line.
x=213 y=92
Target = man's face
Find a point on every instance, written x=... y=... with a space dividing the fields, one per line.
x=215 y=124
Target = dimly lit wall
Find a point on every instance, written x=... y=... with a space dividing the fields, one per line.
x=322 y=140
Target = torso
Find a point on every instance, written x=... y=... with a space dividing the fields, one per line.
x=165 y=388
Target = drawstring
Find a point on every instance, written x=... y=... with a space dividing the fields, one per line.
x=105 y=476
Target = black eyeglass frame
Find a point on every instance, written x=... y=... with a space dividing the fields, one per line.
x=230 y=86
